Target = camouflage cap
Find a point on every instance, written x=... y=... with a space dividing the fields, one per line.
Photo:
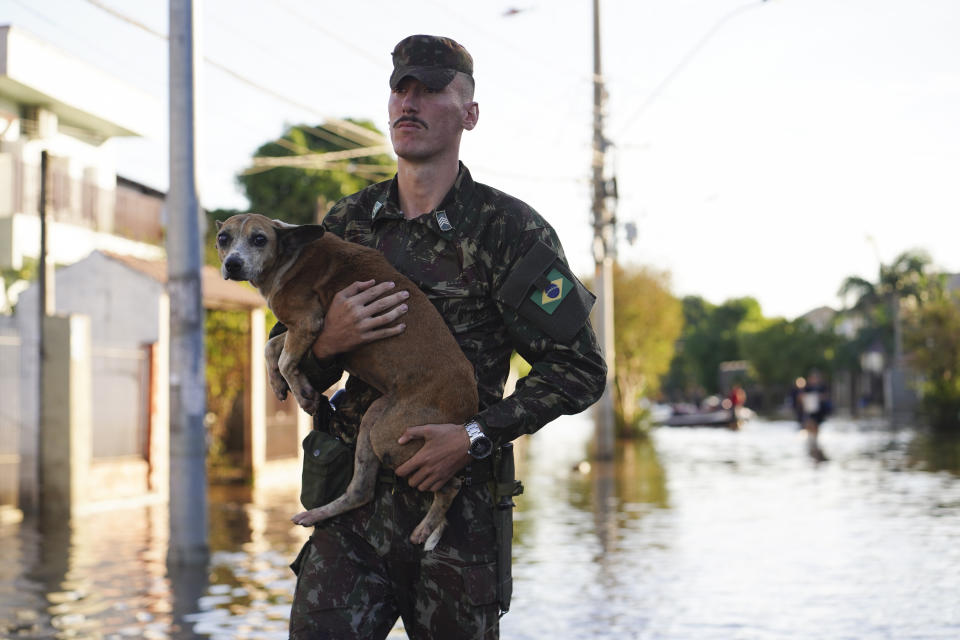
x=432 y=60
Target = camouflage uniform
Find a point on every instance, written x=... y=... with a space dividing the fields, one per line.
x=359 y=572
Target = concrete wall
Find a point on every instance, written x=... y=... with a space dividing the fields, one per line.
x=126 y=310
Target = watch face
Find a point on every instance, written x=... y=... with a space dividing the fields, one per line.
x=481 y=447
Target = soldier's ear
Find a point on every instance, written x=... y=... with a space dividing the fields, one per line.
x=293 y=239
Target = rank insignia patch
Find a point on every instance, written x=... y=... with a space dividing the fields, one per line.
x=550 y=297
x=443 y=221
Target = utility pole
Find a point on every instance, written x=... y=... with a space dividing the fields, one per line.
x=604 y=250
x=188 y=476
x=46 y=305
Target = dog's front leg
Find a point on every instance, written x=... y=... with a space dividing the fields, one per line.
x=295 y=346
x=271 y=354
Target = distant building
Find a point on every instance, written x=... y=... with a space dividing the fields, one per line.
x=50 y=101
x=820 y=318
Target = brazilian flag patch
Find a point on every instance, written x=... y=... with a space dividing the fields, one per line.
x=550 y=297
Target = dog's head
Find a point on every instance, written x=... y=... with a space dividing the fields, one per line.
x=251 y=245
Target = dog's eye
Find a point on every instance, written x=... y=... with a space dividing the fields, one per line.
x=259 y=240
x=222 y=239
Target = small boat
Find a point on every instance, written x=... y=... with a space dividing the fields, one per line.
x=729 y=419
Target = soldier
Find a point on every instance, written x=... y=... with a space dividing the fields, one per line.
x=496 y=272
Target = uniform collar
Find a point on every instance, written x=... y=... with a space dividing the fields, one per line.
x=444 y=219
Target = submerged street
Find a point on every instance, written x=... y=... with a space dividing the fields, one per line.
x=697 y=533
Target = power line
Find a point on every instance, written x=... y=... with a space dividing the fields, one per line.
x=347 y=129
x=687 y=58
x=127 y=19
x=333 y=36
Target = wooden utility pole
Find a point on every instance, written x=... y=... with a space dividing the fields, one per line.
x=46 y=305
x=604 y=251
x=188 y=476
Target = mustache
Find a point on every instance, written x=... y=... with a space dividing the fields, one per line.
x=413 y=119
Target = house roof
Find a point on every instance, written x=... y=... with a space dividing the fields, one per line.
x=219 y=294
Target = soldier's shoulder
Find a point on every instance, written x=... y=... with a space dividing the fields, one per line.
x=365 y=197
x=510 y=212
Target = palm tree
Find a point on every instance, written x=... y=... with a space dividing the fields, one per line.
x=906 y=279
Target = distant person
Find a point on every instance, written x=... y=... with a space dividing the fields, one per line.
x=736 y=400
x=814 y=407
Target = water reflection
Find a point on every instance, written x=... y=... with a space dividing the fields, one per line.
x=696 y=533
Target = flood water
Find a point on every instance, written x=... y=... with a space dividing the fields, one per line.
x=697 y=533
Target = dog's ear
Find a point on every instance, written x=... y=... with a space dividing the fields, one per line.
x=292 y=239
x=219 y=224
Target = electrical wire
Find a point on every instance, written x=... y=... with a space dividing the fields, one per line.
x=687 y=58
x=346 y=129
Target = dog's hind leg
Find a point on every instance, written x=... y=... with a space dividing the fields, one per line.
x=431 y=527
x=360 y=490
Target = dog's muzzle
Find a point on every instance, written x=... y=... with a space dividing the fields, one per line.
x=232 y=268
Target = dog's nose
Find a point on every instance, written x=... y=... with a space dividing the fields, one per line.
x=233 y=265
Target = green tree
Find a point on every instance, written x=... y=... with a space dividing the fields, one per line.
x=227 y=361
x=648 y=320
x=711 y=335
x=779 y=350
x=304 y=185
x=932 y=340
x=905 y=280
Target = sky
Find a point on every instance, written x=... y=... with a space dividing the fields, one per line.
x=761 y=148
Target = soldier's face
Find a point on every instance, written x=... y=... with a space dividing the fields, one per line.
x=425 y=123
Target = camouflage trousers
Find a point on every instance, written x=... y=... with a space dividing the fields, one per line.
x=359 y=572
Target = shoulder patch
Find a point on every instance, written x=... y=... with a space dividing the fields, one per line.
x=544 y=292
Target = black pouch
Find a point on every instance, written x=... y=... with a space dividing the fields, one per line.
x=543 y=290
x=327 y=469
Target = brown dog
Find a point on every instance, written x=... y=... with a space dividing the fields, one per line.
x=422 y=374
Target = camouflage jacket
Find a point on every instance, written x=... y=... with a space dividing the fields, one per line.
x=462 y=255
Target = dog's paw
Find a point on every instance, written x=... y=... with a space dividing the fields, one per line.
x=306 y=518
x=309 y=406
x=429 y=539
x=279 y=386
x=434 y=537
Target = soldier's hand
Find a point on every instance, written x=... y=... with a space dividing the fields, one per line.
x=444 y=453
x=360 y=313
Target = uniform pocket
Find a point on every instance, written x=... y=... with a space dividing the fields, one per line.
x=480 y=584
x=327 y=469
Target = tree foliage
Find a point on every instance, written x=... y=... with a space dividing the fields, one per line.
x=711 y=335
x=780 y=350
x=302 y=196
x=932 y=338
x=227 y=362
x=648 y=320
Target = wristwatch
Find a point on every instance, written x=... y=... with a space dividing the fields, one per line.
x=480 y=444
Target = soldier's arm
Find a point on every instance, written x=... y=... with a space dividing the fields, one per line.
x=568 y=374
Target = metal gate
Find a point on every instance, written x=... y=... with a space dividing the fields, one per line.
x=121 y=396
